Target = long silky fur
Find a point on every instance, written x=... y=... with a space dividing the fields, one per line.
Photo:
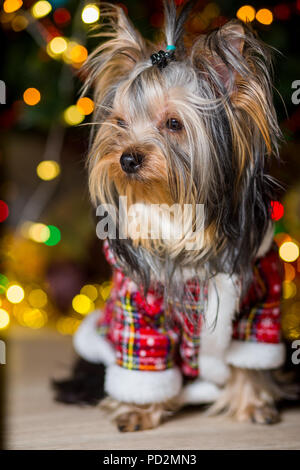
x=231 y=132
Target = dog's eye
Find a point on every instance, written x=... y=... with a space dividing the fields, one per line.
x=121 y=122
x=173 y=124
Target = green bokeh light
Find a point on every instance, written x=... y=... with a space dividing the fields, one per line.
x=54 y=237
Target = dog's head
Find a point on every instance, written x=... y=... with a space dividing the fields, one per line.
x=193 y=126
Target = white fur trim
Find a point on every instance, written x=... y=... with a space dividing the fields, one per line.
x=90 y=345
x=223 y=299
x=267 y=241
x=199 y=392
x=142 y=387
x=214 y=369
x=255 y=355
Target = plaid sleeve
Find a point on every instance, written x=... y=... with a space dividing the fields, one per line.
x=259 y=318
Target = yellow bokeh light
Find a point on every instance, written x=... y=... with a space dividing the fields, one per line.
x=39 y=233
x=289 y=272
x=289 y=251
x=32 y=96
x=78 y=54
x=264 y=16
x=57 y=45
x=90 y=291
x=19 y=23
x=246 y=13
x=67 y=326
x=48 y=170
x=90 y=14
x=85 y=105
x=9 y=6
x=35 y=318
x=4 y=319
x=82 y=304
x=73 y=116
x=289 y=289
x=105 y=289
x=41 y=9
x=37 y=298
x=15 y=294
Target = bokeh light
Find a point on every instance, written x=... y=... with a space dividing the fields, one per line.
x=9 y=6
x=277 y=210
x=61 y=16
x=54 y=237
x=90 y=14
x=90 y=291
x=246 y=13
x=289 y=289
x=4 y=211
x=105 y=289
x=57 y=45
x=289 y=272
x=73 y=116
x=48 y=170
x=38 y=232
x=82 y=304
x=3 y=283
x=34 y=318
x=78 y=54
x=15 y=294
x=31 y=96
x=37 y=298
x=289 y=251
x=67 y=325
x=41 y=9
x=19 y=23
x=264 y=16
x=4 y=319
x=85 y=105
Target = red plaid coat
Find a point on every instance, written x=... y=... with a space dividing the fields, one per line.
x=142 y=339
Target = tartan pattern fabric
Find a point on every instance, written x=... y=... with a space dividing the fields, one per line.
x=144 y=339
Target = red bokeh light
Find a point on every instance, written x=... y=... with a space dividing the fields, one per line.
x=61 y=16
x=277 y=210
x=282 y=11
x=4 y=211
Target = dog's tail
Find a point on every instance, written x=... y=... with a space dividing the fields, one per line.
x=85 y=386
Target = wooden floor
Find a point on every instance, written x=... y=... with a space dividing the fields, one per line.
x=36 y=422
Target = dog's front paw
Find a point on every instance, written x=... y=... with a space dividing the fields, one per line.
x=137 y=420
x=266 y=414
x=130 y=417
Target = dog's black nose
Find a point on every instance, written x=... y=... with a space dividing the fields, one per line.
x=130 y=162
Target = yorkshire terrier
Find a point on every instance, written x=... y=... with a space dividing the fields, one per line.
x=193 y=317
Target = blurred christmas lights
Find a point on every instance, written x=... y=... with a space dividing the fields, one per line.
x=82 y=304
x=264 y=16
x=31 y=96
x=10 y=6
x=73 y=116
x=41 y=9
x=4 y=211
x=289 y=251
x=61 y=16
x=4 y=319
x=37 y=232
x=19 y=22
x=15 y=294
x=90 y=14
x=289 y=289
x=246 y=13
x=57 y=46
x=277 y=210
x=48 y=170
x=90 y=291
x=85 y=105
x=37 y=298
x=78 y=54
x=54 y=237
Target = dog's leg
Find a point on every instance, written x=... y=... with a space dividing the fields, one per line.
x=130 y=417
x=249 y=395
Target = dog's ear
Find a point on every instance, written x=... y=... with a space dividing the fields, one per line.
x=122 y=49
